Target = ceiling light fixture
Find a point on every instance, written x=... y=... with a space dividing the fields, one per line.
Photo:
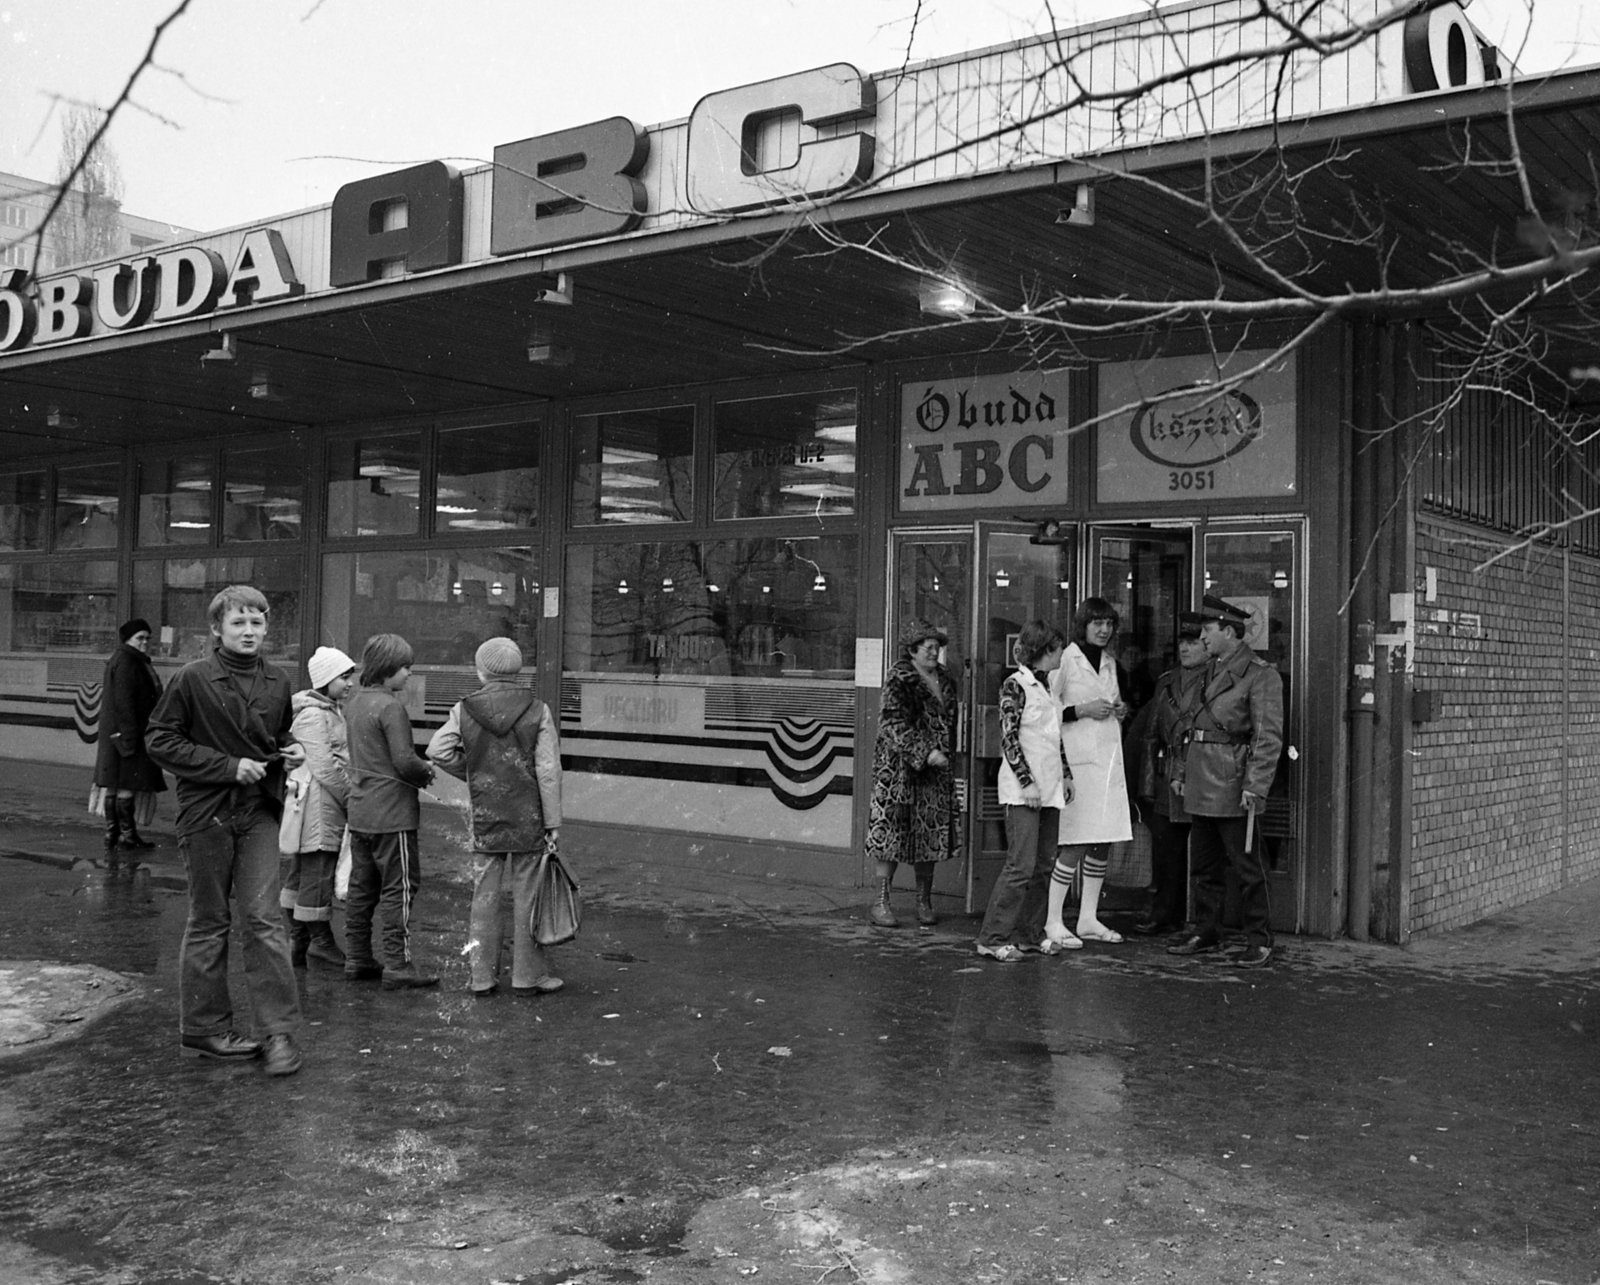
x=945 y=299
x=224 y=351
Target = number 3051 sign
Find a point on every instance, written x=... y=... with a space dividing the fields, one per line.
x=1217 y=443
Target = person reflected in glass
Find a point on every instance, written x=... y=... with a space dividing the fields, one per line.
x=1035 y=785
x=123 y=769
x=1092 y=690
x=911 y=812
x=1167 y=721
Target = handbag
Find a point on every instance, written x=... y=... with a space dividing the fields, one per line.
x=557 y=908
x=292 y=824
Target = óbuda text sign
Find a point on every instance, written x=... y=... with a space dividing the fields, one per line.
x=769 y=144
x=991 y=441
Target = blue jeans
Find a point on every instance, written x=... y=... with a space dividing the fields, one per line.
x=235 y=858
x=1021 y=895
x=487 y=926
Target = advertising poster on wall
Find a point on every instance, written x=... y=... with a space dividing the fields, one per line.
x=1235 y=443
x=993 y=441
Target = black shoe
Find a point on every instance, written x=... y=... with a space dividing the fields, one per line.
x=325 y=946
x=405 y=978
x=282 y=1055
x=227 y=1047
x=1150 y=928
x=362 y=970
x=1253 y=957
x=1196 y=945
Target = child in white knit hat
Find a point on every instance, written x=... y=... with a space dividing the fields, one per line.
x=314 y=822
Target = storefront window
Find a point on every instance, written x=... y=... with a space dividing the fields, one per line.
x=633 y=467
x=175 y=501
x=375 y=485
x=58 y=606
x=488 y=478
x=174 y=595
x=766 y=608
x=263 y=492
x=86 y=506
x=22 y=510
x=444 y=603
x=778 y=456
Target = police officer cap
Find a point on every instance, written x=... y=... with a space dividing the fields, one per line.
x=1189 y=623
x=1224 y=613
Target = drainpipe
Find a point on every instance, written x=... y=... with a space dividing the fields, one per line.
x=1362 y=708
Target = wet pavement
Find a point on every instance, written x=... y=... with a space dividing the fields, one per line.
x=779 y=1095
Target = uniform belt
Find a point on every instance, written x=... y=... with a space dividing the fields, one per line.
x=1218 y=738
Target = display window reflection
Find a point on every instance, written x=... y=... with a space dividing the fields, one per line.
x=488 y=478
x=263 y=492
x=174 y=595
x=86 y=506
x=786 y=456
x=375 y=485
x=58 y=606
x=23 y=504
x=743 y=608
x=175 y=501
x=633 y=467
x=444 y=603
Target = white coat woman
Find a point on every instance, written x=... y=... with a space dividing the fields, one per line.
x=1091 y=690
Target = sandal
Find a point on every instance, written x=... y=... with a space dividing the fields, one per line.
x=1055 y=945
x=1101 y=933
x=1006 y=954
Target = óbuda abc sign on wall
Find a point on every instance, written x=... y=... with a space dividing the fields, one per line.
x=1216 y=443
x=990 y=441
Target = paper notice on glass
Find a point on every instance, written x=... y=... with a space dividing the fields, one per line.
x=869 y=662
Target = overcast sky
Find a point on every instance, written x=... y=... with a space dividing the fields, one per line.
x=267 y=106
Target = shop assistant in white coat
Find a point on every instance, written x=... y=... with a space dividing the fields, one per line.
x=1092 y=690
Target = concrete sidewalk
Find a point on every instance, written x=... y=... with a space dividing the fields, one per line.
x=44 y=818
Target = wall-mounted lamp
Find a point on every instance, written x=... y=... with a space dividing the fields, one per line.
x=224 y=351
x=562 y=294
x=622 y=586
x=1080 y=214
x=1280 y=579
x=945 y=299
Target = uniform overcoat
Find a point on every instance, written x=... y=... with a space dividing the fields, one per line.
x=1236 y=736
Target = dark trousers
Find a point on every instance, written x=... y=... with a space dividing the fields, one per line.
x=307 y=891
x=235 y=859
x=1169 y=869
x=1021 y=895
x=1215 y=845
x=385 y=873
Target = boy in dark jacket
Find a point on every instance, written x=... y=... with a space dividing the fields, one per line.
x=503 y=742
x=385 y=775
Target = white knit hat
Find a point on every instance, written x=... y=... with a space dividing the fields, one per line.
x=499 y=658
x=326 y=664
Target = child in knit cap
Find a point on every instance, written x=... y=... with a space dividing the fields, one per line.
x=324 y=785
x=502 y=741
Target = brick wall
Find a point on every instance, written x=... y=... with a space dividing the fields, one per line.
x=1506 y=807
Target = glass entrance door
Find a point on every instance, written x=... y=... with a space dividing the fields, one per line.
x=1148 y=576
x=1018 y=580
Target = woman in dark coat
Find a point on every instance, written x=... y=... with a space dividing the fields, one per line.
x=911 y=814
x=122 y=768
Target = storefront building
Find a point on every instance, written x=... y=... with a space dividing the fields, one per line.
x=623 y=398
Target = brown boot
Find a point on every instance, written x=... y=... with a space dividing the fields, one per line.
x=882 y=913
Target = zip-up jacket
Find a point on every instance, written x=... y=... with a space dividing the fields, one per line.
x=385 y=772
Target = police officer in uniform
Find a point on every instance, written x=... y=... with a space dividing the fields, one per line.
x=1227 y=769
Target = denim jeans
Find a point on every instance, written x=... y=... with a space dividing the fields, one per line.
x=1216 y=843
x=307 y=890
x=235 y=858
x=492 y=871
x=1020 y=899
